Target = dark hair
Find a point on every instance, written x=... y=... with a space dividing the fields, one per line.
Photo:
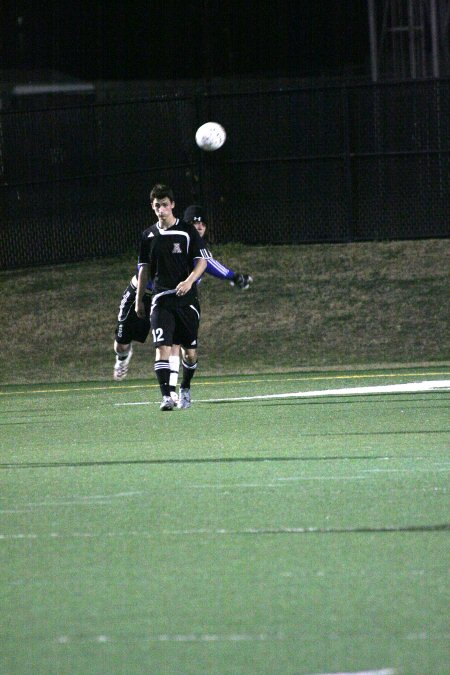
x=159 y=191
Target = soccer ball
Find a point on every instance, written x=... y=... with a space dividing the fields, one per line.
x=210 y=136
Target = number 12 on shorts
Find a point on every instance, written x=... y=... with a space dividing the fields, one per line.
x=158 y=335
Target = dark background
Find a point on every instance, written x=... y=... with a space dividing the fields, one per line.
x=345 y=157
x=192 y=39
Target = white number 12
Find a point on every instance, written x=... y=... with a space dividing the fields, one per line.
x=157 y=335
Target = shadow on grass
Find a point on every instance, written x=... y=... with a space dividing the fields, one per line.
x=190 y=460
x=440 y=527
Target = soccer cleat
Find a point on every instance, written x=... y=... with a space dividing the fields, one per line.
x=167 y=403
x=242 y=281
x=121 y=366
x=185 y=399
x=174 y=396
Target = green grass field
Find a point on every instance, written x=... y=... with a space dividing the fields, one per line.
x=279 y=535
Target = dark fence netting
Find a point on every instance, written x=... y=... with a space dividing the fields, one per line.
x=322 y=163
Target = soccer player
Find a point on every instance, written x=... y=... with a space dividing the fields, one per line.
x=130 y=327
x=195 y=214
x=173 y=256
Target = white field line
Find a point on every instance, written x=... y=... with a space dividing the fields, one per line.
x=365 y=474
x=85 y=499
x=280 y=482
x=183 y=637
x=75 y=500
x=409 y=387
x=146 y=385
x=383 y=671
x=146 y=534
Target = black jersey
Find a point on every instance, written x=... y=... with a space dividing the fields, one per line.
x=170 y=255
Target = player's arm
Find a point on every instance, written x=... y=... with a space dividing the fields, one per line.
x=221 y=271
x=199 y=269
x=134 y=281
x=141 y=286
x=200 y=255
x=143 y=274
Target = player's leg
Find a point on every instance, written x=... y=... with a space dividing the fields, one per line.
x=124 y=352
x=162 y=325
x=174 y=365
x=128 y=329
x=162 y=370
x=189 y=366
x=122 y=343
x=188 y=322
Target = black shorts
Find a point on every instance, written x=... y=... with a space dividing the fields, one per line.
x=129 y=326
x=175 y=325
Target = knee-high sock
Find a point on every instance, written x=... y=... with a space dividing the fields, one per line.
x=174 y=365
x=188 y=374
x=162 y=371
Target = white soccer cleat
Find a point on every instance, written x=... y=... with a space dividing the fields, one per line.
x=185 y=399
x=121 y=366
x=167 y=403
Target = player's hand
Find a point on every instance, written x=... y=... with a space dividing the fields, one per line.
x=183 y=287
x=241 y=281
x=140 y=309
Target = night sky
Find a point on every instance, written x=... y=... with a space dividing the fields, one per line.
x=175 y=39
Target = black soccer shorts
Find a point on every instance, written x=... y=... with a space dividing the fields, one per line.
x=129 y=326
x=174 y=325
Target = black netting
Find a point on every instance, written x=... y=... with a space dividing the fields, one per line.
x=329 y=163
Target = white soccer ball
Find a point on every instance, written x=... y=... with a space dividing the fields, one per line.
x=210 y=136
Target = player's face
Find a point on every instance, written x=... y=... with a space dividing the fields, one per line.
x=200 y=227
x=163 y=209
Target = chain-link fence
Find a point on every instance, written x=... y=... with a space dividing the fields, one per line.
x=315 y=164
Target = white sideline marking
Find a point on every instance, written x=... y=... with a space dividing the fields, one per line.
x=383 y=671
x=187 y=637
x=102 y=638
x=87 y=500
x=84 y=499
x=365 y=473
x=409 y=387
x=282 y=482
x=145 y=385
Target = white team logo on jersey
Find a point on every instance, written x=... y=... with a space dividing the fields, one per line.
x=150 y=235
x=177 y=248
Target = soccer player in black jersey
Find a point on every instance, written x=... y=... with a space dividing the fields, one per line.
x=173 y=256
x=130 y=328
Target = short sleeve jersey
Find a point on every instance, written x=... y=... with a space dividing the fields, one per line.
x=170 y=255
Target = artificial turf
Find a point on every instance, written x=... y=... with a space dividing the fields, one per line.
x=296 y=535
